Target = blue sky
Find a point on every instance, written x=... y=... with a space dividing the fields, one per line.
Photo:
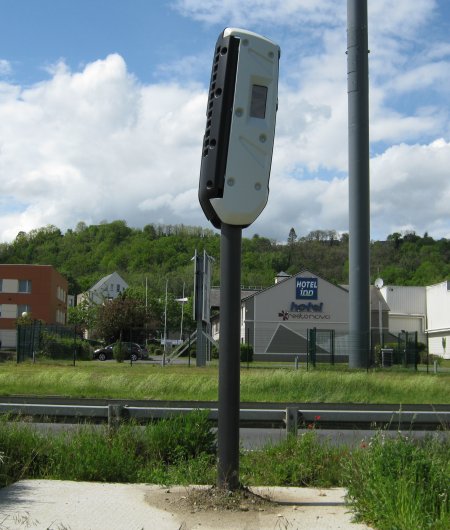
x=102 y=112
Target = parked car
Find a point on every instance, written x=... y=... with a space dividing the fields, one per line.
x=133 y=352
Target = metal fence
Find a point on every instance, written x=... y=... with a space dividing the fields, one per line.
x=52 y=341
x=318 y=346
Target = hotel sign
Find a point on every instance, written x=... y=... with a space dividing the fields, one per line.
x=306 y=288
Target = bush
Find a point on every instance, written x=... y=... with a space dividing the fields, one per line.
x=214 y=352
x=433 y=357
x=246 y=353
x=55 y=347
x=399 y=355
x=7 y=355
x=119 y=351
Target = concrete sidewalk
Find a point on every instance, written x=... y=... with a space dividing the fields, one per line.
x=65 y=505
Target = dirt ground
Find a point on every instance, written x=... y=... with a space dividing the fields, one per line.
x=208 y=507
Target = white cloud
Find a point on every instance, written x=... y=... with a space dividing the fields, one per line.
x=410 y=186
x=97 y=144
x=5 y=67
x=255 y=12
x=422 y=77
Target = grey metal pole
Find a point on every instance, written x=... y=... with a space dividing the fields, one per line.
x=359 y=200
x=229 y=357
x=380 y=324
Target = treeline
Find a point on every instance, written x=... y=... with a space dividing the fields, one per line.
x=156 y=253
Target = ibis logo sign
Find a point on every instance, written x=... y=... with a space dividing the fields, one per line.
x=306 y=288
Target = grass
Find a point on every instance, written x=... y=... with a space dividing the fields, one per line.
x=398 y=484
x=149 y=381
x=178 y=450
x=393 y=484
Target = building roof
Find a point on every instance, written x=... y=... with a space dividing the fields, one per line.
x=215 y=296
x=104 y=280
x=375 y=297
x=287 y=278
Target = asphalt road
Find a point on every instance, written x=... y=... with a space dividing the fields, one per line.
x=254 y=438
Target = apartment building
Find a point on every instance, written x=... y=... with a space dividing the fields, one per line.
x=38 y=290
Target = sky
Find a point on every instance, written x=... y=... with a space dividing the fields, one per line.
x=102 y=113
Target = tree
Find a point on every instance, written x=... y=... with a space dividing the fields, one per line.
x=84 y=315
x=117 y=318
x=292 y=237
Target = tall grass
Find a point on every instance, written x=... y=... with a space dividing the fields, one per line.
x=146 y=381
x=400 y=484
x=296 y=461
x=180 y=449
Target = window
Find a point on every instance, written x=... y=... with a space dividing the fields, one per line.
x=1 y=285
x=61 y=294
x=118 y=288
x=60 y=317
x=23 y=308
x=24 y=286
x=0 y=310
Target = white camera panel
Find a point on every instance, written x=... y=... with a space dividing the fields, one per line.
x=236 y=192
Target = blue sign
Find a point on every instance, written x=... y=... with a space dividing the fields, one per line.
x=306 y=288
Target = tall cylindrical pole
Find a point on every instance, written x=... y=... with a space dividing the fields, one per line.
x=359 y=200
x=229 y=357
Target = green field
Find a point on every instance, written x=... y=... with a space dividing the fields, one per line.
x=150 y=381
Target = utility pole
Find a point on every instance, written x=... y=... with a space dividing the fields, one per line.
x=359 y=189
x=229 y=363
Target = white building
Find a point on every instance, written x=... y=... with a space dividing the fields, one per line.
x=407 y=309
x=108 y=288
x=277 y=320
x=438 y=318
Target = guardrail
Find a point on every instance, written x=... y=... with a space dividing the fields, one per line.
x=290 y=417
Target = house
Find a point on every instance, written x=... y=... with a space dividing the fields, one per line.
x=39 y=290
x=108 y=288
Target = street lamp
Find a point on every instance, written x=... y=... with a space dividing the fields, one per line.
x=379 y=284
x=182 y=300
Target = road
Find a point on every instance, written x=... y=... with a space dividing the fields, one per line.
x=256 y=438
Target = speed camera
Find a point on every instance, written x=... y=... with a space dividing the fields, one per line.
x=240 y=128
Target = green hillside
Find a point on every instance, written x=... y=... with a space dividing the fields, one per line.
x=160 y=252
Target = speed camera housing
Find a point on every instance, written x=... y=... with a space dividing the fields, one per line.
x=240 y=128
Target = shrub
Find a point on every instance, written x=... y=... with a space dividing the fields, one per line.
x=55 y=347
x=246 y=353
x=7 y=355
x=119 y=351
